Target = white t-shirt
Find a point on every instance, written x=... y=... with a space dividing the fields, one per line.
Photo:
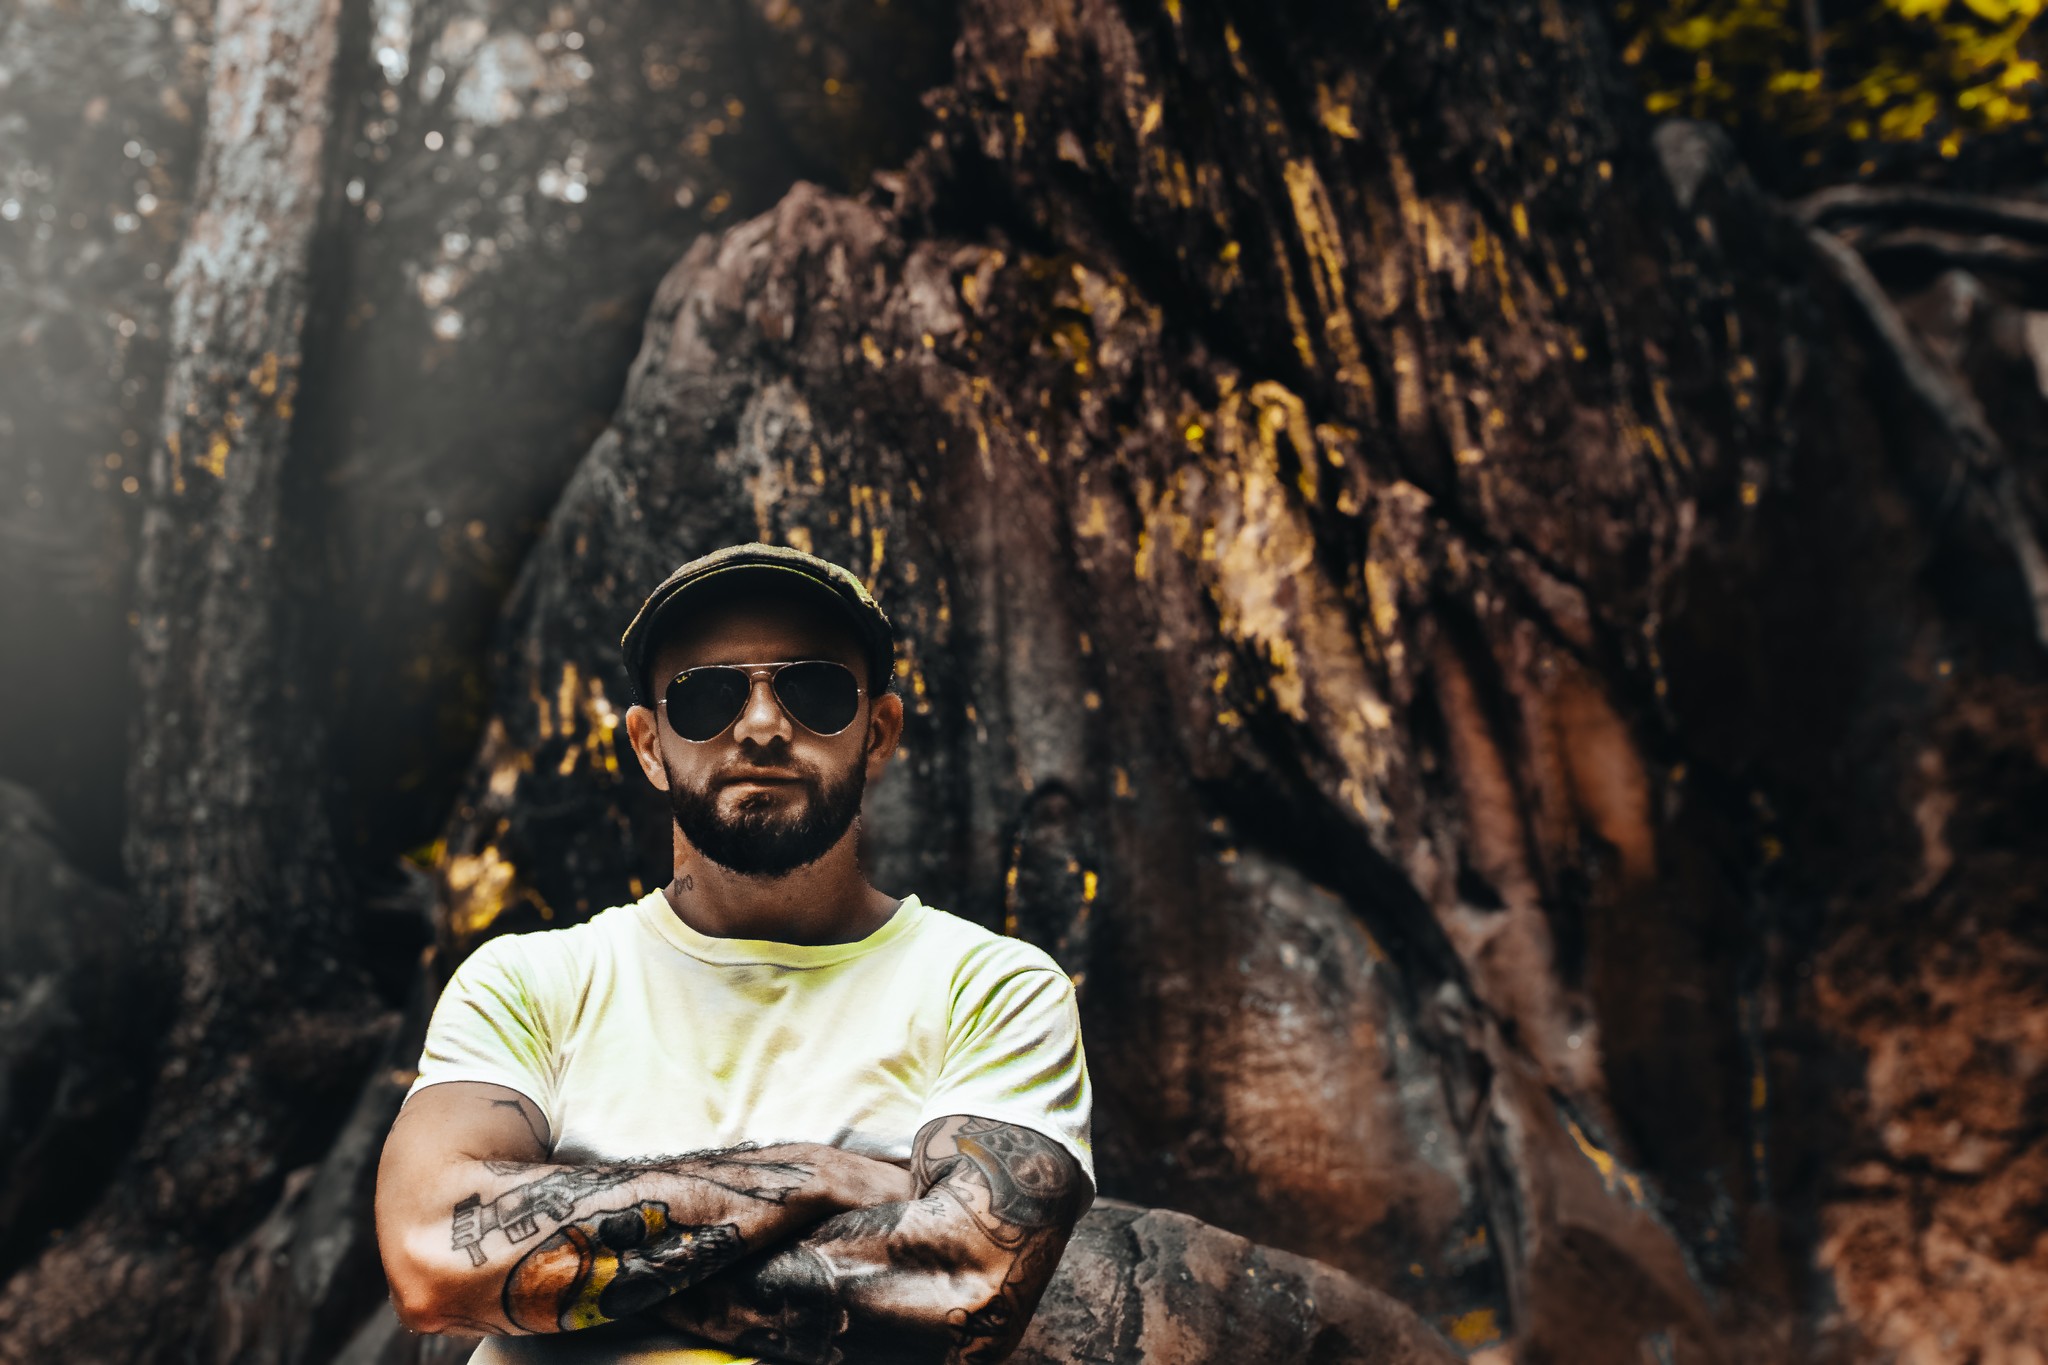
x=638 y=1037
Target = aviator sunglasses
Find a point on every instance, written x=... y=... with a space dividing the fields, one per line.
x=821 y=696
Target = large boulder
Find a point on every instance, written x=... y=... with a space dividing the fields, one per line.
x=1385 y=577
x=1149 y=1285
x=1115 y=672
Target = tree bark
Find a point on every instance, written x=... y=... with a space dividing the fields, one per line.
x=87 y=233
x=229 y=847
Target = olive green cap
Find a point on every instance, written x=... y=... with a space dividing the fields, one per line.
x=774 y=565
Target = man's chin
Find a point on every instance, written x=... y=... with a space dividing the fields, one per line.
x=766 y=871
x=763 y=829
x=768 y=808
x=765 y=856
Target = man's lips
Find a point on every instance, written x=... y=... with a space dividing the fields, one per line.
x=761 y=780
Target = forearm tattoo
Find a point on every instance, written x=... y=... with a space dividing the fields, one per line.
x=555 y=1195
x=612 y=1265
x=600 y=1264
x=1033 y=1196
x=1020 y=1194
x=783 y=1306
x=1028 y=1176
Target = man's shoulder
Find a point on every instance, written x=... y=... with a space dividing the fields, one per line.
x=573 y=949
x=977 y=953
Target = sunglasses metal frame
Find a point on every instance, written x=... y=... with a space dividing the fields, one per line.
x=755 y=673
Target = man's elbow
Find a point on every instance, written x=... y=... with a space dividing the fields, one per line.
x=426 y=1297
x=418 y=1309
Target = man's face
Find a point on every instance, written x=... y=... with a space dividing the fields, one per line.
x=766 y=796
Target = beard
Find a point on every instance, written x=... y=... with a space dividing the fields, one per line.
x=762 y=840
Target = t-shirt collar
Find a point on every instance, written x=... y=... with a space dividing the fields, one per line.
x=662 y=920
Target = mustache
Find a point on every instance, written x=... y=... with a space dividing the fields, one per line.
x=766 y=772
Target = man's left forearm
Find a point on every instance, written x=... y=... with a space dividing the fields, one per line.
x=953 y=1276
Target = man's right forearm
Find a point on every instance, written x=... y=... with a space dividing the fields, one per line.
x=533 y=1247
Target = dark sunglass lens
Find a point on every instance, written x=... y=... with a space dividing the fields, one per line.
x=703 y=701
x=819 y=696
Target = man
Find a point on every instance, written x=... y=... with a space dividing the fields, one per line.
x=767 y=1106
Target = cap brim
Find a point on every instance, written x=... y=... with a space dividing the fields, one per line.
x=659 y=616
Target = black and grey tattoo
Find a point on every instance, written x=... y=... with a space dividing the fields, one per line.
x=529 y=1116
x=1029 y=1177
x=985 y=1335
x=881 y=1283
x=518 y=1211
x=792 y=1310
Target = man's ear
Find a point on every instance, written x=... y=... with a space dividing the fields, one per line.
x=885 y=728
x=643 y=729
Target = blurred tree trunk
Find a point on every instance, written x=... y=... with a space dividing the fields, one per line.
x=266 y=1029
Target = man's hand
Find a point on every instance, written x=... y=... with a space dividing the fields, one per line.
x=480 y=1233
x=952 y=1276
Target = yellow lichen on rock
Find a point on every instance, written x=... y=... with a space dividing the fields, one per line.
x=1243 y=524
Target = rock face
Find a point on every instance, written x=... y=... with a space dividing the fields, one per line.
x=1050 y=833
x=519 y=176
x=1395 y=571
x=1508 y=667
x=1146 y=1284
x=1929 y=975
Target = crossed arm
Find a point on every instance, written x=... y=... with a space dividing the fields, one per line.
x=951 y=1275
x=799 y=1252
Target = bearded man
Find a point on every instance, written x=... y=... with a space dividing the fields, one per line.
x=766 y=1112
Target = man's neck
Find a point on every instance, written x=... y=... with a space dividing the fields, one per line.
x=827 y=901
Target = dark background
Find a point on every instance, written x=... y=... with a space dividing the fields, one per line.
x=1473 y=570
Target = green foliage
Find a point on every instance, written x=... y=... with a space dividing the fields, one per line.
x=1857 y=76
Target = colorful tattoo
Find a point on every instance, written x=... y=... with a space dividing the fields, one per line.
x=518 y=1211
x=612 y=1265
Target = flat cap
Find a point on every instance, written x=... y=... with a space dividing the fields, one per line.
x=774 y=566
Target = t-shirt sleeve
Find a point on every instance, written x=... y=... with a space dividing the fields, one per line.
x=1013 y=1054
x=490 y=1025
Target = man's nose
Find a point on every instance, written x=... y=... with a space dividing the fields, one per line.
x=762 y=720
